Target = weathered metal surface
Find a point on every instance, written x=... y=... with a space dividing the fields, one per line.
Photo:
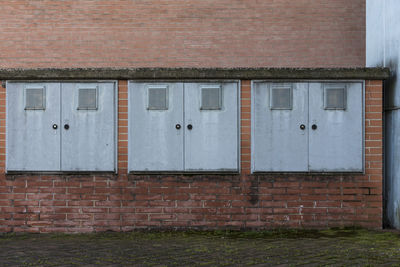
x=60 y=137
x=155 y=143
x=279 y=144
x=375 y=32
x=32 y=142
x=284 y=139
x=89 y=142
x=193 y=73
x=337 y=142
x=160 y=140
x=212 y=143
x=383 y=50
x=383 y=44
x=392 y=169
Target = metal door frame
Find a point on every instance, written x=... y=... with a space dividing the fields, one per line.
x=115 y=101
x=309 y=81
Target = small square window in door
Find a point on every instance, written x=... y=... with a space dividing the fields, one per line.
x=157 y=98
x=211 y=98
x=335 y=98
x=87 y=99
x=281 y=98
x=35 y=98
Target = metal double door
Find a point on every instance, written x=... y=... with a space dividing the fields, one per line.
x=60 y=136
x=307 y=136
x=182 y=136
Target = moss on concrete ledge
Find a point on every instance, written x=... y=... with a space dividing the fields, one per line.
x=194 y=73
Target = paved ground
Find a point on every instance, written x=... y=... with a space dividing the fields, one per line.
x=346 y=247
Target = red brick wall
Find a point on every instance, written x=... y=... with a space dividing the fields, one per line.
x=182 y=33
x=85 y=203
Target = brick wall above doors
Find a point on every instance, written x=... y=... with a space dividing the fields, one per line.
x=181 y=33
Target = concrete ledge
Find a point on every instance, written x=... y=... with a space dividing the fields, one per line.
x=194 y=73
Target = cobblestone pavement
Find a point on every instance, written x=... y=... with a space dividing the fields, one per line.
x=345 y=247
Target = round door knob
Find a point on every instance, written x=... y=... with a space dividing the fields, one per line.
x=55 y=126
x=314 y=127
x=302 y=127
x=66 y=126
x=178 y=126
x=190 y=127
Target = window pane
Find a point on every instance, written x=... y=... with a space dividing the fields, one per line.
x=335 y=98
x=34 y=98
x=87 y=99
x=281 y=98
x=158 y=98
x=211 y=98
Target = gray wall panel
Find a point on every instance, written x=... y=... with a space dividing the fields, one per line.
x=383 y=49
x=278 y=142
x=383 y=43
x=154 y=142
x=89 y=143
x=392 y=171
x=212 y=144
x=375 y=33
x=32 y=143
x=337 y=143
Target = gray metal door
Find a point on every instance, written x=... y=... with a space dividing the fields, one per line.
x=280 y=126
x=33 y=126
x=88 y=138
x=211 y=126
x=336 y=134
x=156 y=126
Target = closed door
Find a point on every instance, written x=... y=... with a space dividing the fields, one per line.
x=280 y=135
x=336 y=130
x=33 y=130
x=211 y=126
x=156 y=127
x=87 y=127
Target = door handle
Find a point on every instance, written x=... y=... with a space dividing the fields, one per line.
x=66 y=126
x=55 y=126
x=302 y=127
x=190 y=127
x=314 y=127
x=178 y=126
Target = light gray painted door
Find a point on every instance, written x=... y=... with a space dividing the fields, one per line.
x=156 y=129
x=211 y=109
x=280 y=142
x=337 y=142
x=87 y=130
x=33 y=126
